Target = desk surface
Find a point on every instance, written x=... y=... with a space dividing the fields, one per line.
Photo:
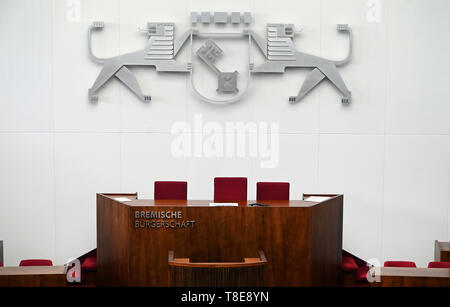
x=205 y=203
x=413 y=277
x=415 y=272
x=31 y=270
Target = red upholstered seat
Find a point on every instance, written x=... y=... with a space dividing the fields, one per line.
x=272 y=191
x=172 y=190
x=439 y=265
x=1 y=264
x=230 y=189
x=361 y=273
x=349 y=264
x=90 y=264
x=399 y=264
x=36 y=262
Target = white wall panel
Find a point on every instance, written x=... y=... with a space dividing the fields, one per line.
x=202 y=171
x=418 y=67
x=353 y=165
x=85 y=164
x=147 y=157
x=298 y=165
x=416 y=197
x=26 y=66
x=27 y=221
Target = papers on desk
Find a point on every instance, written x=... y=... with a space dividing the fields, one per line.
x=317 y=199
x=122 y=199
x=224 y=205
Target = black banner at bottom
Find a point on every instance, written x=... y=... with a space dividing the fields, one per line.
x=229 y=296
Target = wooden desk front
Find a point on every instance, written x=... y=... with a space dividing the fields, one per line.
x=301 y=240
x=39 y=276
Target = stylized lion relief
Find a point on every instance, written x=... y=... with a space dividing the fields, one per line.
x=162 y=49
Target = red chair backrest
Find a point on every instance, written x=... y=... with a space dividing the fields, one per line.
x=176 y=190
x=349 y=264
x=439 y=265
x=399 y=264
x=90 y=264
x=36 y=262
x=230 y=189
x=272 y=191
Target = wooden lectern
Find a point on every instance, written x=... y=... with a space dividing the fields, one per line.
x=249 y=273
x=301 y=240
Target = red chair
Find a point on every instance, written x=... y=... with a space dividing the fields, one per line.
x=399 y=264
x=230 y=189
x=439 y=265
x=272 y=191
x=348 y=263
x=1 y=264
x=354 y=265
x=89 y=270
x=36 y=262
x=170 y=190
x=361 y=274
x=90 y=264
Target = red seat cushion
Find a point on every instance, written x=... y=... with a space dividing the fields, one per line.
x=1 y=264
x=439 y=265
x=230 y=189
x=348 y=264
x=36 y=262
x=171 y=190
x=90 y=264
x=361 y=273
x=272 y=191
x=399 y=264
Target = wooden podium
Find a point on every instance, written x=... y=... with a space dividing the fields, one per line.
x=301 y=240
x=248 y=273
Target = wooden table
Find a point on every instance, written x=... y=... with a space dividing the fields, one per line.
x=33 y=276
x=413 y=277
x=301 y=240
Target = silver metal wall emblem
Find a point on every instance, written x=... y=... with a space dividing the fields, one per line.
x=162 y=49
